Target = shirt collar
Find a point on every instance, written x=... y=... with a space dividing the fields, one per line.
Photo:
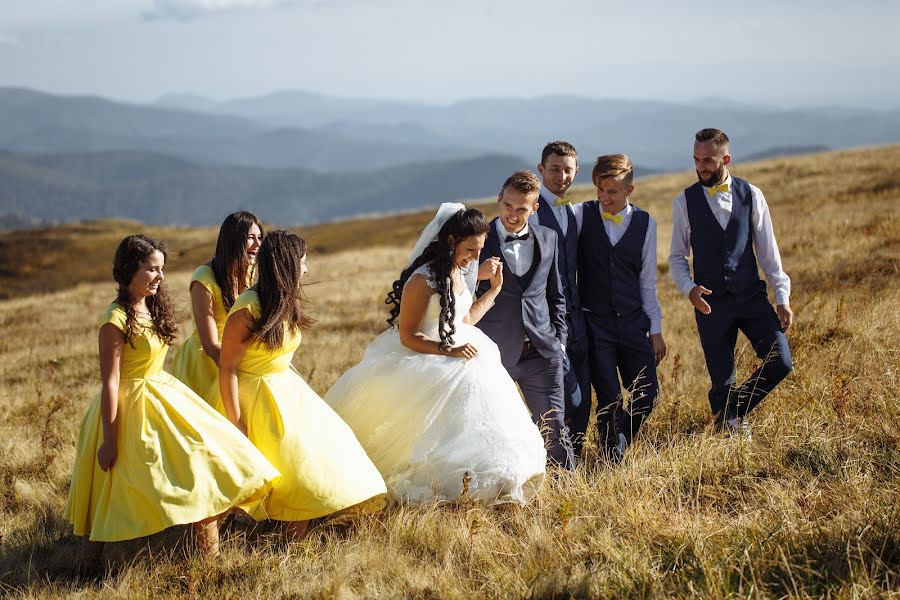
x=550 y=197
x=728 y=182
x=625 y=211
x=502 y=232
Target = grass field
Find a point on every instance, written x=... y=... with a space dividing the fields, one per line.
x=809 y=508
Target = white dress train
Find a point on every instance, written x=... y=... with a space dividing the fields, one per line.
x=430 y=422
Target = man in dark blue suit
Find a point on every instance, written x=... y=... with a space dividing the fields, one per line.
x=559 y=165
x=725 y=222
x=528 y=319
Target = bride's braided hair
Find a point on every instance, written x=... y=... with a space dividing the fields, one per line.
x=439 y=257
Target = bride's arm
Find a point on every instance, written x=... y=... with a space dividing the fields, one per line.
x=413 y=305
x=486 y=301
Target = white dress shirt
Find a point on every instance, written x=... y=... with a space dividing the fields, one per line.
x=761 y=233
x=647 y=277
x=561 y=212
x=517 y=254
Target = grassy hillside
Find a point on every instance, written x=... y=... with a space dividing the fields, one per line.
x=808 y=509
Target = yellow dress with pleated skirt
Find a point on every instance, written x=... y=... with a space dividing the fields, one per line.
x=192 y=365
x=324 y=468
x=178 y=462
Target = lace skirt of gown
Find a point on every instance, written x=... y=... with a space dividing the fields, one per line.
x=433 y=424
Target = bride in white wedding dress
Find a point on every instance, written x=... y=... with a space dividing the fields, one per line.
x=432 y=405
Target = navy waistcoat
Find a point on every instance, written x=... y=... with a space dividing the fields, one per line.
x=724 y=260
x=567 y=251
x=525 y=279
x=609 y=276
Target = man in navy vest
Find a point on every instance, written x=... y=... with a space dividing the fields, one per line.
x=559 y=165
x=617 y=284
x=726 y=223
x=528 y=319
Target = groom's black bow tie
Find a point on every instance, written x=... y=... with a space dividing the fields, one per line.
x=512 y=238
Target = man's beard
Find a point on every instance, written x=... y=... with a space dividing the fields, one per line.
x=716 y=177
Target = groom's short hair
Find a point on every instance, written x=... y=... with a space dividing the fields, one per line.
x=614 y=166
x=716 y=136
x=524 y=182
x=560 y=148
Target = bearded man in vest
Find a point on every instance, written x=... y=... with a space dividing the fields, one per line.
x=725 y=222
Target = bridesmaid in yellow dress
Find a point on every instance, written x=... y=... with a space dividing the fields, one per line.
x=324 y=469
x=214 y=286
x=151 y=453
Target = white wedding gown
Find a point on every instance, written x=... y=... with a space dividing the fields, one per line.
x=429 y=422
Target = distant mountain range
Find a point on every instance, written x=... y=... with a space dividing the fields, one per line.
x=162 y=190
x=300 y=157
x=654 y=133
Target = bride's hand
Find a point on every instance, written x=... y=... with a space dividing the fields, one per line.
x=466 y=351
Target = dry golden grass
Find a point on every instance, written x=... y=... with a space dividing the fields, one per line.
x=809 y=508
x=39 y=261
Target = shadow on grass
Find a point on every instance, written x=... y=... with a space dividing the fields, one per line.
x=825 y=560
x=47 y=558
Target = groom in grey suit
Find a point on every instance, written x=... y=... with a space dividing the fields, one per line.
x=528 y=319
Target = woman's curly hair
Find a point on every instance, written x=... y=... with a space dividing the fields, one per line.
x=438 y=255
x=133 y=251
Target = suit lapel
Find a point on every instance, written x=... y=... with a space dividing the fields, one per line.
x=492 y=245
x=573 y=224
x=547 y=218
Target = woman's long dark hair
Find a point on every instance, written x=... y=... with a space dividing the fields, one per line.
x=229 y=265
x=132 y=251
x=439 y=257
x=280 y=295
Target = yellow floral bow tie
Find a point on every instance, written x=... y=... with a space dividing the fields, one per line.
x=617 y=219
x=712 y=191
x=562 y=201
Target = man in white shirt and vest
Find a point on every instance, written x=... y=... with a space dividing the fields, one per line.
x=559 y=165
x=617 y=284
x=726 y=223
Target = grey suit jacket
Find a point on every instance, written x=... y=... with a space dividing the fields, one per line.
x=538 y=311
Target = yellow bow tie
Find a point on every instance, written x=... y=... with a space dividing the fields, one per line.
x=561 y=201
x=617 y=219
x=712 y=191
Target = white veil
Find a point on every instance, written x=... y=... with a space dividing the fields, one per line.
x=429 y=234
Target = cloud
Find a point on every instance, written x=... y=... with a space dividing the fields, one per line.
x=187 y=10
x=8 y=41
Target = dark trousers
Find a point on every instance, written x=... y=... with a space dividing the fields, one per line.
x=718 y=334
x=619 y=346
x=577 y=381
x=541 y=382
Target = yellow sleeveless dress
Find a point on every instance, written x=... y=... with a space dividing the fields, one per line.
x=192 y=365
x=178 y=462
x=324 y=469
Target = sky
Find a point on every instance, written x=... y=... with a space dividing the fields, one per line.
x=783 y=53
